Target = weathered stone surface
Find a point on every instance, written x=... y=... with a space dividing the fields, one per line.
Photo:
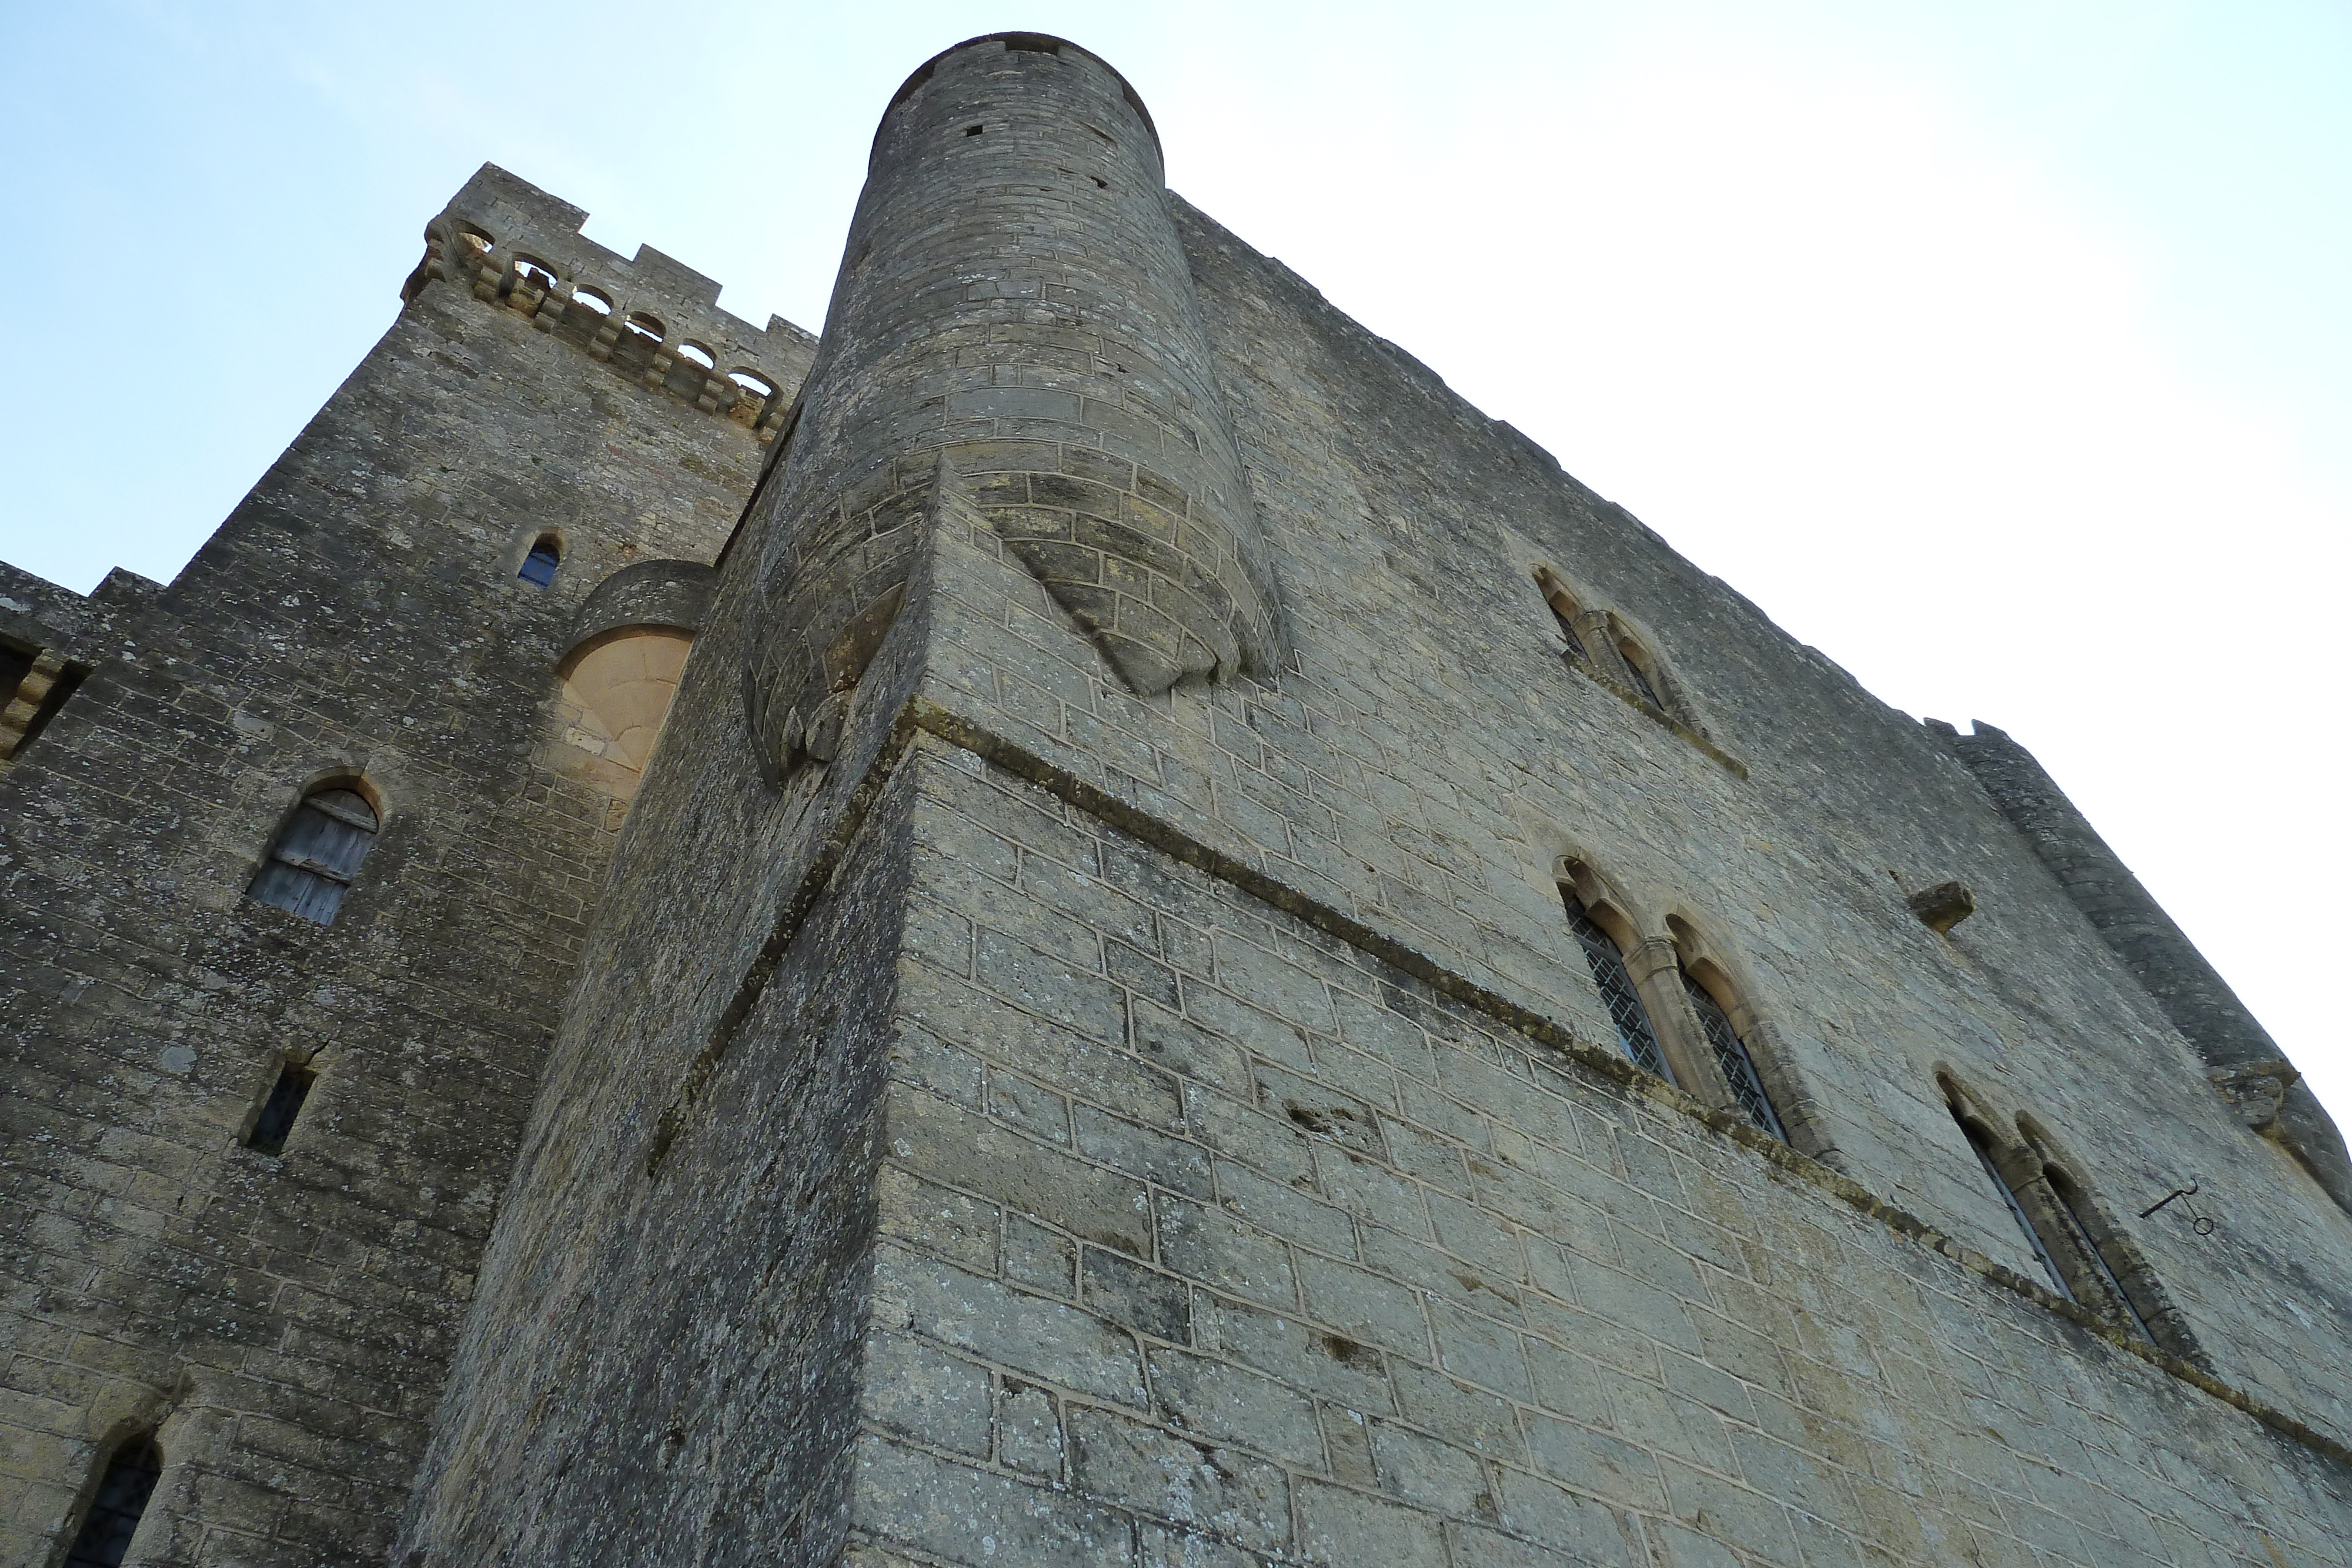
x=1009 y=1108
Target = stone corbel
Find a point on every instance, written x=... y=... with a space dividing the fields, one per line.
x=2256 y=1090
x=1942 y=906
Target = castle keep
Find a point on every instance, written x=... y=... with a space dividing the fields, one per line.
x=1080 y=922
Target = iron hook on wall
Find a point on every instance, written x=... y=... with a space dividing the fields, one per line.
x=2202 y=1223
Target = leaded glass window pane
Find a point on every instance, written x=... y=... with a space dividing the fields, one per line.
x=1732 y=1055
x=1615 y=983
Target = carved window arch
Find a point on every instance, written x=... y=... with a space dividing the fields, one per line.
x=126 y=1482
x=1726 y=1026
x=1605 y=935
x=1566 y=612
x=618 y=690
x=317 y=853
x=1602 y=645
x=1644 y=670
x=1989 y=1155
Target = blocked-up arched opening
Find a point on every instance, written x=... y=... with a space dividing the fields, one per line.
x=126 y=1482
x=617 y=696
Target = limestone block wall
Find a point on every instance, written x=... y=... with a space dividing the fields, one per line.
x=1428 y=759
x=283 y=1321
x=1208 y=1238
x=661 y=1359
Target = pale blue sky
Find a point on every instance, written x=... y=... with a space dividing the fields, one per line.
x=1998 y=349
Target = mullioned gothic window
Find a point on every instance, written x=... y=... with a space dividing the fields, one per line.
x=318 y=854
x=1602 y=644
x=124 y=1488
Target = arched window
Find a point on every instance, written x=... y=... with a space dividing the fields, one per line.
x=123 y=1488
x=1606 y=960
x=593 y=299
x=1981 y=1140
x=538 y=566
x=2074 y=1207
x=1732 y=1055
x=1564 y=610
x=645 y=327
x=696 y=353
x=318 y=854
x=757 y=385
x=1638 y=667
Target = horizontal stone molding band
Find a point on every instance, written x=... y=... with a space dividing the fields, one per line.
x=922 y=717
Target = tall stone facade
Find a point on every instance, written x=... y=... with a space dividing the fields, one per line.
x=1216 y=965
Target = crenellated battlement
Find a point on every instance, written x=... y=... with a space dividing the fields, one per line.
x=650 y=317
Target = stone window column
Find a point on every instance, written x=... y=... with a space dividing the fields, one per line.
x=1656 y=969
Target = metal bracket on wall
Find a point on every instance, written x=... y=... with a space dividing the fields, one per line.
x=2199 y=1223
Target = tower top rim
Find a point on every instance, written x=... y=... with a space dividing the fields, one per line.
x=922 y=73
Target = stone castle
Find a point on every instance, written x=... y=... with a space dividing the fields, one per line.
x=1080 y=922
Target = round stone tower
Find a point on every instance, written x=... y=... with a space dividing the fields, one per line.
x=1015 y=325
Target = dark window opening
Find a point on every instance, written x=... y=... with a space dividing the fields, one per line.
x=1101 y=184
x=1649 y=693
x=538 y=566
x=16 y=663
x=1983 y=1148
x=1732 y=1055
x=121 y=1501
x=1615 y=983
x=286 y=1100
x=1031 y=44
x=314 y=861
x=973 y=130
x=1568 y=629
